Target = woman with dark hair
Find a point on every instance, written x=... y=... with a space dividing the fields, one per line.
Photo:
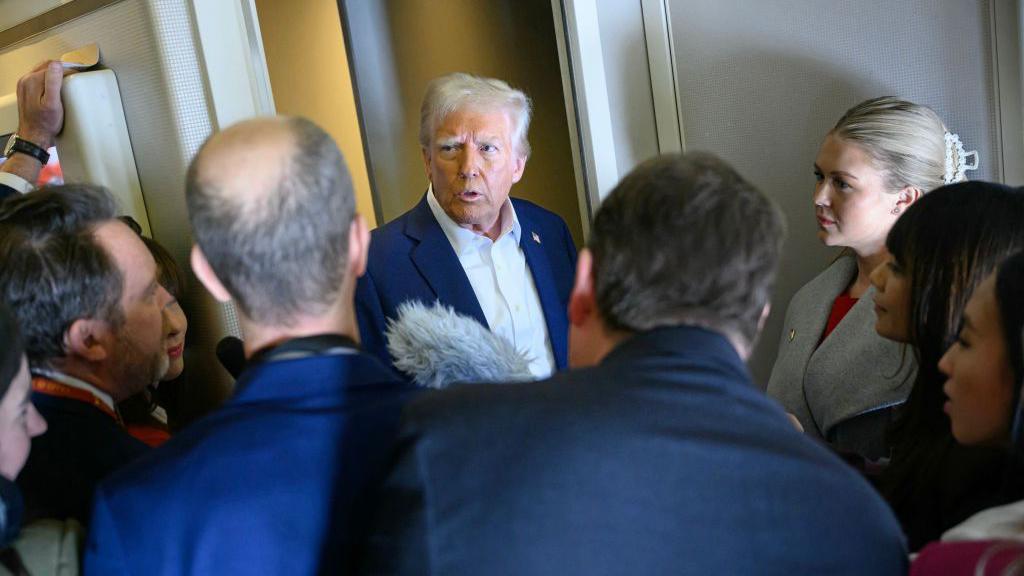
x=45 y=546
x=985 y=370
x=143 y=414
x=940 y=251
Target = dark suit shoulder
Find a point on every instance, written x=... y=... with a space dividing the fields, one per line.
x=7 y=192
x=82 y=445
x=386 y=238
x=536 y=213
x=477 y=405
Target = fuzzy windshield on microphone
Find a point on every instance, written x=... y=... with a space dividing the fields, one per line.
x=438 y=347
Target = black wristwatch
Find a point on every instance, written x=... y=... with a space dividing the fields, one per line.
x=16 y=144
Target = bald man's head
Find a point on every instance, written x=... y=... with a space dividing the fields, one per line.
x=270 y=202
x=247 y=160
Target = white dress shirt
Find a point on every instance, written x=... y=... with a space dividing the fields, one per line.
x=503 y=284
x=17 y=182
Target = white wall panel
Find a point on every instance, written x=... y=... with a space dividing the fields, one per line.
x=761 y=82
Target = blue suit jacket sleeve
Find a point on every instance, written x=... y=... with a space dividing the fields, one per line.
x=103 y=551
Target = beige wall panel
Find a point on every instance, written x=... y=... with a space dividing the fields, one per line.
x=309 y=76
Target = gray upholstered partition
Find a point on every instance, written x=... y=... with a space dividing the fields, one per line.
x=761 y=82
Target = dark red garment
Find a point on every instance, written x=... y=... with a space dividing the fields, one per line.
x=954 y=558
x=151 y=435
x=842 y=305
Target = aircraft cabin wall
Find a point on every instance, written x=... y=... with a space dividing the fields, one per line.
x=760 y=83
x=757 y=83
x=309 y=76
x=171 y=105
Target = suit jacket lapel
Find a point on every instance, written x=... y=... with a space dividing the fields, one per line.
x=855 y=370
x=436 y=261
x=543 y=279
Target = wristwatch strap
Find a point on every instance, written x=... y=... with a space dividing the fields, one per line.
x=17 y=144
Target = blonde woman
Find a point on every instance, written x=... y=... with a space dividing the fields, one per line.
x=833 y=372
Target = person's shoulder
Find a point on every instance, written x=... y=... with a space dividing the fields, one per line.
x=397 y=225
x=536 y=213
x=159 y=464
x=464 y=403
x=828 y=283
x=391 y=237
x=72 y=423
x=545 y=224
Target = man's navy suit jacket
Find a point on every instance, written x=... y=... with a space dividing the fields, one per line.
x=663 y=459
x=271 y=483
x=82 y=446
x=411 y=259
x=7 y=192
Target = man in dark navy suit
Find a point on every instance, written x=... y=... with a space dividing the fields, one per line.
x=84 y=289
x=273 y=482
x=40 y=119
x=657 y=455
x=506 y=262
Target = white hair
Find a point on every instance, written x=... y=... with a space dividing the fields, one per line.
x=906 y=141
x=452 y=92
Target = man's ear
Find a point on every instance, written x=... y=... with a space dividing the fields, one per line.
x=583 y=299
x=358 y=247
x=203 y=271
x=88 y=338
x=907 y=196
x=520 y=167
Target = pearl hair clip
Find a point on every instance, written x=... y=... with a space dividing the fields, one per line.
x=956 y=159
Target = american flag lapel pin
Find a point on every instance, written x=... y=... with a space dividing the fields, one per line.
x=536 y=237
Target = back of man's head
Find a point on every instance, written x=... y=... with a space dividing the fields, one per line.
x=52 y=270
x=271 y=203
x=683 y=239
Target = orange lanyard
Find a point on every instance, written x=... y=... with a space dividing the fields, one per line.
x=59 y=390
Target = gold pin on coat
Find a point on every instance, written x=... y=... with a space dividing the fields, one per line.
x=536 y=238
x=792 y=334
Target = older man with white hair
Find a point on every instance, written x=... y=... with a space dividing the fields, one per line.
x=506 y=262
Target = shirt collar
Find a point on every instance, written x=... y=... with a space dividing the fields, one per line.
x=462 y=239
x=76 y=383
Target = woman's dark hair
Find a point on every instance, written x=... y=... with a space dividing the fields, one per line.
x=1010 y=300
x=946 y=244
x=12 y=349
x=169 y=274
